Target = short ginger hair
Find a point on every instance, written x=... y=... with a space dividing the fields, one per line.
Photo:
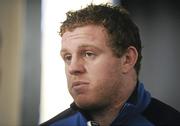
x=121 y=30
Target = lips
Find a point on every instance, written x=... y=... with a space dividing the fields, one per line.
x=79 y=86
x=79 y=83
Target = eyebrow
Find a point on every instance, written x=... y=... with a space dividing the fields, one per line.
x=81 y=47
x=63 y=50
x=89 y=46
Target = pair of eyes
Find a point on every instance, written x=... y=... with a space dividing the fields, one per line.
x=86 y=54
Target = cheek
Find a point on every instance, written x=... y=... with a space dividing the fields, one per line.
x=106 y=82
x=105 y=77
x=105 y=71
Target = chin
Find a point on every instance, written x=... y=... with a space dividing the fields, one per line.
x=85 y=104
x=89 y=106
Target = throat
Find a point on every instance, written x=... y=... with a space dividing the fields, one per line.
x=105 y=116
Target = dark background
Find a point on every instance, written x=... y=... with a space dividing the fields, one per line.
x=159 y=24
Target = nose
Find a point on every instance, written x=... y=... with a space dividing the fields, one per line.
x=76 y=66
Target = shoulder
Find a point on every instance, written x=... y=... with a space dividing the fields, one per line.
x=160 y=113
x=65 y=114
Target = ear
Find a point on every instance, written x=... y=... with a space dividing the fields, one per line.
x=129 y=59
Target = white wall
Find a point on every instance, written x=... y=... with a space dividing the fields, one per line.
x=54 y=94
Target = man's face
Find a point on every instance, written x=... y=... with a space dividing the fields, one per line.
x=93 y=73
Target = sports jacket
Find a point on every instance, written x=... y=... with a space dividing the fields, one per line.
x=139 y=110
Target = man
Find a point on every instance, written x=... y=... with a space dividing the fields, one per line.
x=101 y=49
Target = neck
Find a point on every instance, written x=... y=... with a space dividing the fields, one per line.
x=105 y=117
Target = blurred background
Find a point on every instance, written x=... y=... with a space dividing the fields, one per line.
x=32 y=80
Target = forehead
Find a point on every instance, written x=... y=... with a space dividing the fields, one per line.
x=90 y=34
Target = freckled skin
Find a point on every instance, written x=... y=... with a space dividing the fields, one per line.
x=101 y=70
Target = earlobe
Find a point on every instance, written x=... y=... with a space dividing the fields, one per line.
x=129 y=59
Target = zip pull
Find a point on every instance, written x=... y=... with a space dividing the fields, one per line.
x=92 y=123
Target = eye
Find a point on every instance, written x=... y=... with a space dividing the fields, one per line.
x=89 y=54
x=67 y=58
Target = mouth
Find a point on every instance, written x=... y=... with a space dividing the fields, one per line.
x=79 y=85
